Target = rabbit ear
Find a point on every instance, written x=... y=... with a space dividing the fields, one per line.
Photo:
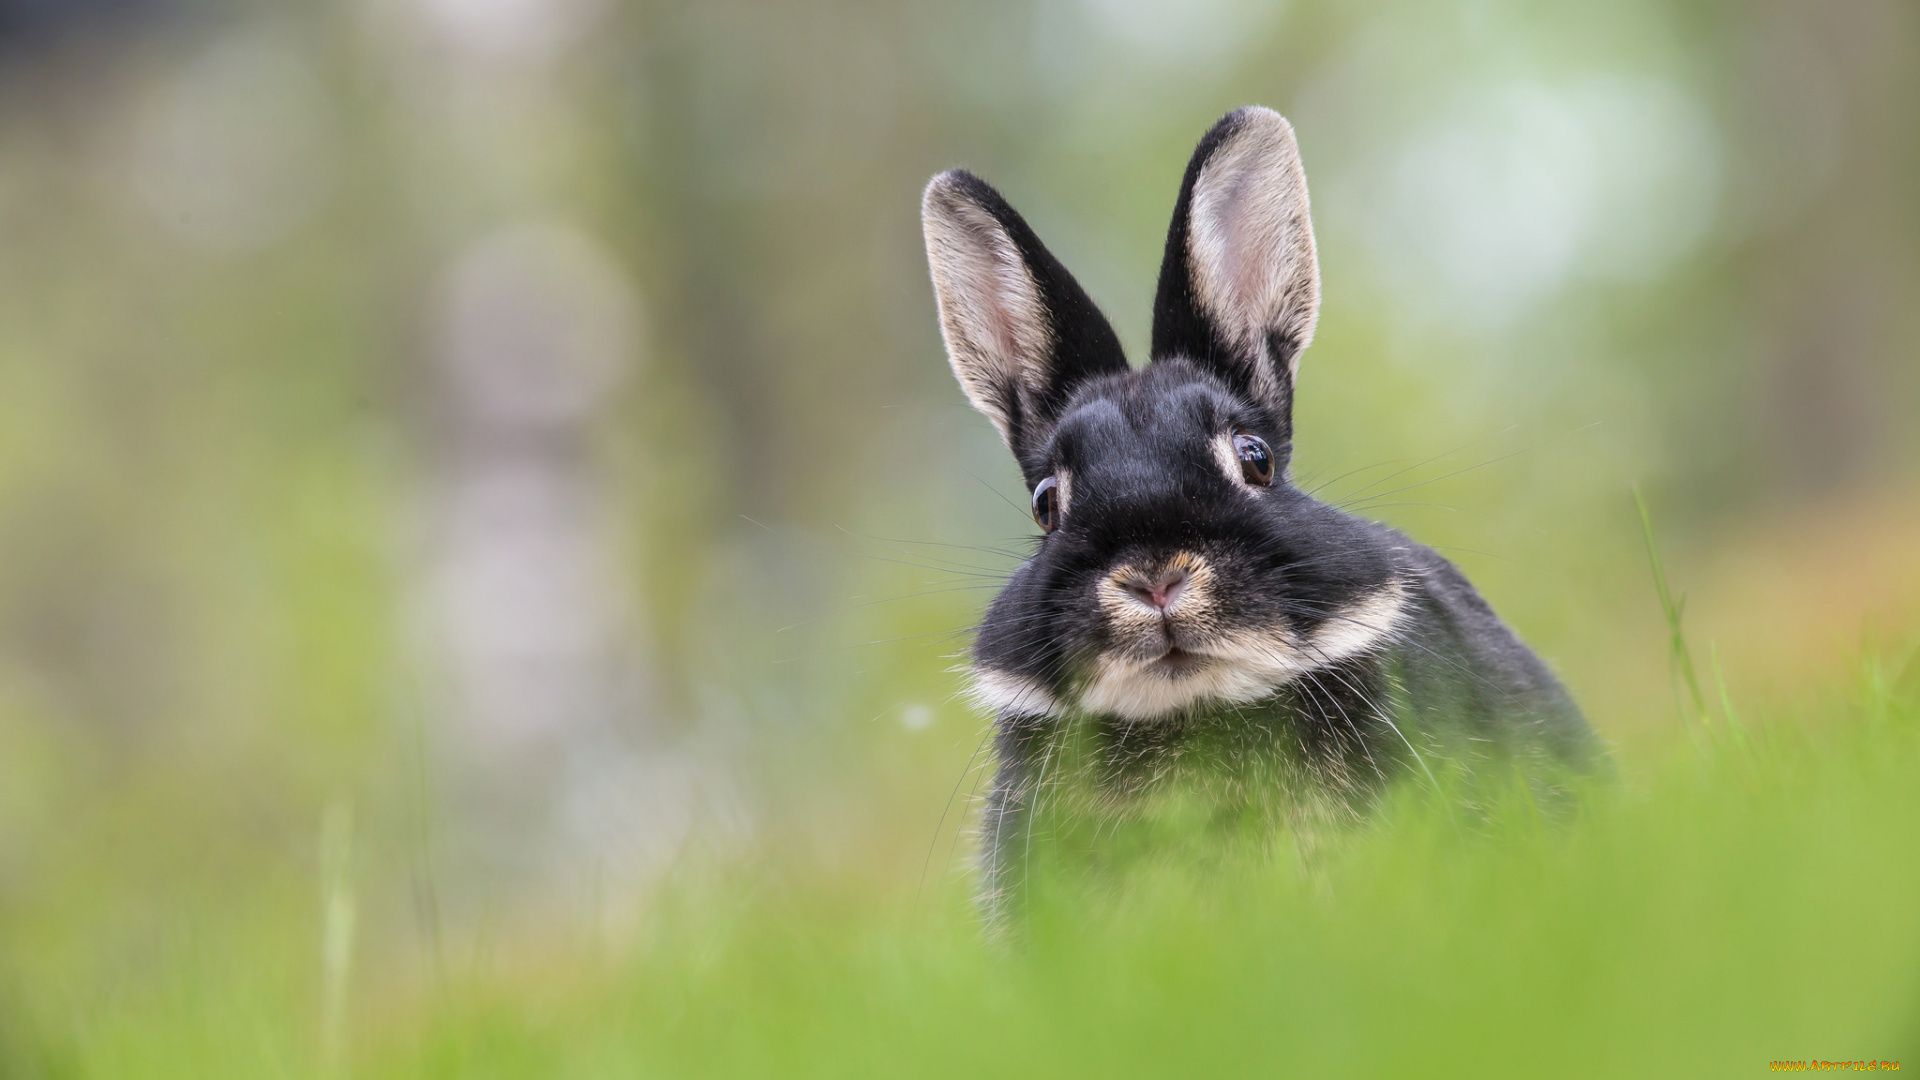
x=1020 y=332
x=1239 y=285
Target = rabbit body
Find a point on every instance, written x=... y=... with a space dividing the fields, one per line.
x=1192 y=620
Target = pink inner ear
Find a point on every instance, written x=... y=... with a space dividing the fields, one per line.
x=998 y=317
x=1251 y=242
x=1242 y=246
x=997 y=332
x=1002 y=307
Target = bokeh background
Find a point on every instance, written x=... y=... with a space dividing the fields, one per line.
x=459 y=456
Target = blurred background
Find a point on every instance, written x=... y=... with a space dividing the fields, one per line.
x=457 y=456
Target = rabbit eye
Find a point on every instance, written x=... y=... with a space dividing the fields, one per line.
x=1046 y=504
x=1256 y=460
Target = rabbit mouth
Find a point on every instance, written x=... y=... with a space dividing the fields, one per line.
x=1177 y=661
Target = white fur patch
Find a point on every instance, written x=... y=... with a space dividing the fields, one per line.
x=1250 y=241
x=1242 y=668
x=996 y=328
x=1132 y=690
x=1359 y=626
x=1007 y=693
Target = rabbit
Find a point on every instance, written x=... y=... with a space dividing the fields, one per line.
x=1184 y=593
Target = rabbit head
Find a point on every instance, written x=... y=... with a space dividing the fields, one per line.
x=1179 y=567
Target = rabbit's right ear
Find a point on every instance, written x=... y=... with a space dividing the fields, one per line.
x=1021 y=334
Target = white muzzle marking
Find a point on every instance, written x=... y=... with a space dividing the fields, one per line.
x=1241 y=668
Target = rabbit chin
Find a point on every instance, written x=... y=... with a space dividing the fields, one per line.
x=1239 y=668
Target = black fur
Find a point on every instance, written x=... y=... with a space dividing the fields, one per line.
x=1146 y=484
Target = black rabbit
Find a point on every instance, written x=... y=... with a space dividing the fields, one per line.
x=1188 y=611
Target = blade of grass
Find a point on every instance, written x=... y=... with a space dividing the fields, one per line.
x=1672 y=608
x=1726 y=698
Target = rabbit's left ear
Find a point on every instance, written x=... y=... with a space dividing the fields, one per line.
x=1240 y=284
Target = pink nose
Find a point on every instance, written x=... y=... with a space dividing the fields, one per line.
x=1162 y=592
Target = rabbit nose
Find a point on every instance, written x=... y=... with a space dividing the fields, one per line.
x=1160 y=592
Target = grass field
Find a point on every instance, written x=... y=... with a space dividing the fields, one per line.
x=1741 y=896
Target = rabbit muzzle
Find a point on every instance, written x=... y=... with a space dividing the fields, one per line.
x=1160 y=608
x=1168 y=654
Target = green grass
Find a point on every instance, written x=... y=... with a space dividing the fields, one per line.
x=1724 y=903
